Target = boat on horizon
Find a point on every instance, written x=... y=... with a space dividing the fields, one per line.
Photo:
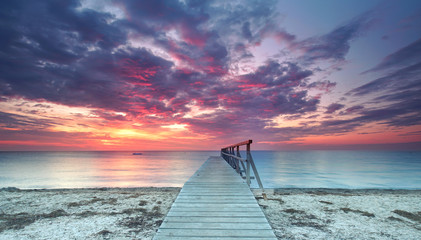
x=136 y=153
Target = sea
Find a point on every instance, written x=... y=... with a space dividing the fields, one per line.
x=277 y=169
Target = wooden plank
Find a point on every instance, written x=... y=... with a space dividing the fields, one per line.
x=216 y=205
x=214 y=225
x=216 y=233
x=222 y=186
x=177 y=213
x=162 y=237
x=211 y=202
x=206 y=202
x=213 y=189
x=207 y=219
x=215 y=198
x=216 y=193
x=219 y=209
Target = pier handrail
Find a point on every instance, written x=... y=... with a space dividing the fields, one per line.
x=232 y=156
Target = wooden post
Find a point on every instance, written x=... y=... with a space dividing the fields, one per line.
x=238 y=151
x=248 y=165
x=237 y=161
x=256 y=174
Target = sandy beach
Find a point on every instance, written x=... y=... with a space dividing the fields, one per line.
x=343 y=214
x=84 y=213
x=136 y=213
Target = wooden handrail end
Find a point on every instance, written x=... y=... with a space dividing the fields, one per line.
x=240 y=144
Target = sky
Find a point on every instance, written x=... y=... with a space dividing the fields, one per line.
x=201 y=75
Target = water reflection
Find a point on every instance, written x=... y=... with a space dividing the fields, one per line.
x=98 y=169
x=340 y=169
x=305 y=169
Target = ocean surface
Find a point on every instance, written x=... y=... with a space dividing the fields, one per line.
x=277 y=169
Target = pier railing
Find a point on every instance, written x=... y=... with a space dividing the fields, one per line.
x=232 y=156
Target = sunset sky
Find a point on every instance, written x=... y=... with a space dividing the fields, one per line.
x=199 y=75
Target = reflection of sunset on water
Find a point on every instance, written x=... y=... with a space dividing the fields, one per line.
x=129 y=171
x=98 y=169
x=148 y=169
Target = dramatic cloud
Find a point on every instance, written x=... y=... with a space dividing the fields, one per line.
x=170 y=70
x=273 y=90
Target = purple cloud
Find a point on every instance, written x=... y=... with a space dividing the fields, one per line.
x=334 y=107
x=406 y=56
x=353 y=109
x=335 y=44
x=83 y=57
x=325 y=86
x=400 y=88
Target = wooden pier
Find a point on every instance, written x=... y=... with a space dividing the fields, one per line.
x=215 y=203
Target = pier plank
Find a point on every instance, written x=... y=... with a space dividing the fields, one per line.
x=216 y=232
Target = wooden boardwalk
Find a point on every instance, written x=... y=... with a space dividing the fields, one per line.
x=215 y=203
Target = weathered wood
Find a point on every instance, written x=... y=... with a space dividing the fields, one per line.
x=215 y=214
x=215 y=203
x=218 y=210
x=243 y=206
x=209 y=238
x=188 y=219
x=216 y=233
x=214 y=225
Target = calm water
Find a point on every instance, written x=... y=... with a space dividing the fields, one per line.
x=303 y=169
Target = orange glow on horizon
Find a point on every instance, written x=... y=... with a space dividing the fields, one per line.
x=78 y=128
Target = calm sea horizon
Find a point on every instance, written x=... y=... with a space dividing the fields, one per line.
x=277 y=169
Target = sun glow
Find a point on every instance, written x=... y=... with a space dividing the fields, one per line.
x=176 y=127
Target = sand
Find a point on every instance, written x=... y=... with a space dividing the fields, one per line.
x=84 y=213
x=136 y=213
x=343 y=214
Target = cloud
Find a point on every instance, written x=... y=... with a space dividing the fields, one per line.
x=406 y=56
x=170 y=62
x=335 y=44
x=399 y=89
x=401 y=79
x=396 y=95
x=284 y=75
x=353 y=109
x=273 y=89
x=157 y=17
x=325 y=86
x=334 y=107
x=16 y=121
x=395 y=115
x=91 y=64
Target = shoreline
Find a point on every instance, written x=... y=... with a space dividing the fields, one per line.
x=136 y=213
x=286 y=190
